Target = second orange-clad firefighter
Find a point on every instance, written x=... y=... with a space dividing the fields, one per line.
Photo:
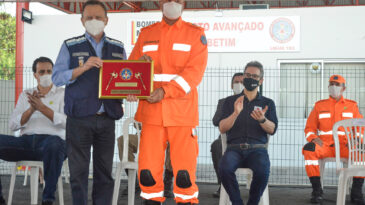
x=179 y=52
x=318 y=132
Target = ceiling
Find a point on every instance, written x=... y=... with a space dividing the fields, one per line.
x=74 y=6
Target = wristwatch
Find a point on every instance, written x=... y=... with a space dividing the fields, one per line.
x=262 y=121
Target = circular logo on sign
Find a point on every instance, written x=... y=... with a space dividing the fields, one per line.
x=282 y=30
x=126 y=74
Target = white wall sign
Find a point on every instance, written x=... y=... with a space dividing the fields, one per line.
x=240 y=34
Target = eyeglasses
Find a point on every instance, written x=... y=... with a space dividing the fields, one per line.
x=249 y=75
x=41 y=72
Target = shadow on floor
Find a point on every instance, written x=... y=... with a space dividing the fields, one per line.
x=279 y=195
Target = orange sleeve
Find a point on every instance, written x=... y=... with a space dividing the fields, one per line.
x=357 y=112
x=312 y=125
x=192 y=74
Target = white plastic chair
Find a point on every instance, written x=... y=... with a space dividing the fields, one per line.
x=34 y=174
x=354 y=130
x=132 y=167
x=322 y=166
x=224 y=198
x=65 y=173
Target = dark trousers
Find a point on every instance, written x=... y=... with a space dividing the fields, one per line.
x=47 y=148
x=216 y=150
x=255 y=159
x=81 y=134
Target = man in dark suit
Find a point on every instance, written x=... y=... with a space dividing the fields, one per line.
x=216 y=146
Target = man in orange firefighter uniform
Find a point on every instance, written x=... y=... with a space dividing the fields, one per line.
x=170 y=114
x=318 y=132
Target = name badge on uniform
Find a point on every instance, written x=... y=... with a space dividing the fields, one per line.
x=81 y=61
x=257 y=108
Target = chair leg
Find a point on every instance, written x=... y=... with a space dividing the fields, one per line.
x=12 y=183
x=249 y=180
x=25 y=176
x=60 y=190
x=322 y=165
x=131 y=185
x=117 y=184
x=66 y=173
x=265 y=197
x=341 y=190
x=34 y=174
x=224 y=198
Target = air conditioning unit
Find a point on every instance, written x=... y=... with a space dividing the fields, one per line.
x=253 y=6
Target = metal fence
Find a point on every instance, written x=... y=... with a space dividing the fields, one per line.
x=293 y=87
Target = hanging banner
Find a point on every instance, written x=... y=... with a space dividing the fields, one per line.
x=240 y=34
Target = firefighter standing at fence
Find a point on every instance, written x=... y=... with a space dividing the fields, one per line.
x=318 y=132
x=179 y=52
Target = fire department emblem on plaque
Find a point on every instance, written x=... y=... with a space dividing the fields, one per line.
x=282 y=30
x=126 y=74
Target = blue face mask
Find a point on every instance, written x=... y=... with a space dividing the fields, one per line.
x=250 y=84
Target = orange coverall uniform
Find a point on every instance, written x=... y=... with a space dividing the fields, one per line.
x=179 y=53
x=319 y=124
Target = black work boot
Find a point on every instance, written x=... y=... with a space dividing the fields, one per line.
x=168 y=184
x=317 y=190
x=151 y=202
x=188 y=203
x=2 y=201
x=356 y=191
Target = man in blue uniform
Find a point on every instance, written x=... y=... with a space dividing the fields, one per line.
x=90 y=121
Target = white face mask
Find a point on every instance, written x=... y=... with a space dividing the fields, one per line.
x=94 y=27
x=172 y=10
x=335 y=91
x=45 y=80
x=237 y=88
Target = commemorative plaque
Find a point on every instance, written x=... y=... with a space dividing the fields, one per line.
x=118 y=79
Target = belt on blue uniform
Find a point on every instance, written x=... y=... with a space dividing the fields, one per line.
x=247 y=146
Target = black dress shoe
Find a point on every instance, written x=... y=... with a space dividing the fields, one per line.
x=151 y=202
x=2 y=201
x=47 y=202
x=217 y=193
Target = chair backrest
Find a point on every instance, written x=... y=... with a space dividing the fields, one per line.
x=137 y=126
x=354 y=133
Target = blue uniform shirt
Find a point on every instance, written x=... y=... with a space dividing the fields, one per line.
x=63 y=73
x=246 y=129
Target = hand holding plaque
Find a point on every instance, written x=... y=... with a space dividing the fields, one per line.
x=118 y=79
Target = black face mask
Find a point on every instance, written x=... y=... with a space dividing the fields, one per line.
x=250 y=84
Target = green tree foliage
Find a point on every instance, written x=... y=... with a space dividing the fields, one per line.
x=7 y=46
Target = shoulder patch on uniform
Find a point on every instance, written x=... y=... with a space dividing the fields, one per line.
x=321 y=101
x=203 y=39
x=192 y=25
x=114 y=42
x=75 y=40
x=150 y=26
x=351 y=101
